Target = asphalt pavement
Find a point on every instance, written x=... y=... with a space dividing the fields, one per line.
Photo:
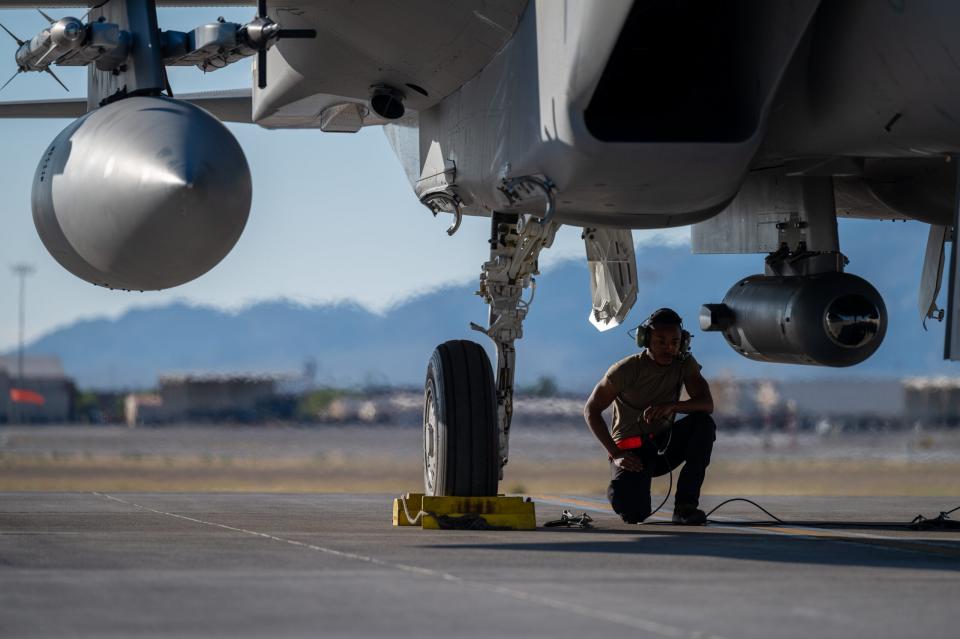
x=269 y=565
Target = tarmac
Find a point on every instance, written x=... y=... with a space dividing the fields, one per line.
x=256 y=565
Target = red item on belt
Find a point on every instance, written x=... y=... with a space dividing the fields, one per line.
x=629 y=443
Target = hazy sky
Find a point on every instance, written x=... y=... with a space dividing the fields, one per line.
x=333 y=215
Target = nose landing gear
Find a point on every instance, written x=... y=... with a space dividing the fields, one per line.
x=467 y=414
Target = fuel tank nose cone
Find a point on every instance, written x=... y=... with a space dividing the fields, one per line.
x=144 y=194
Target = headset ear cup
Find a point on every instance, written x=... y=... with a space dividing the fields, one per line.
x=645 y=330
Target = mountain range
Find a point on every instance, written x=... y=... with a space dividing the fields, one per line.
x=351 y=345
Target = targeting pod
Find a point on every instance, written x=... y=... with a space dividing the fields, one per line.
x=829 y=319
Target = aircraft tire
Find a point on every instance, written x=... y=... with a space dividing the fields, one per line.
x=460 y=432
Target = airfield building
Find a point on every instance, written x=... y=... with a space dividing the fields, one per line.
x=142 y=408
x=45 y=394
x=204 y=398
x=933 y=400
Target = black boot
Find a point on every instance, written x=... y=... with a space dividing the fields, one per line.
x=688 y=516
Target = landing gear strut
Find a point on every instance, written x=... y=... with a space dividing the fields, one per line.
x=467 y=414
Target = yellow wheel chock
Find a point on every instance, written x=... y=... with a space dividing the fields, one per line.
x=464 y=513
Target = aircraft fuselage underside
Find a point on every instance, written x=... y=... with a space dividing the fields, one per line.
x=651 y=114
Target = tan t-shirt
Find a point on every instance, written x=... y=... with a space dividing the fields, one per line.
x=641 y=382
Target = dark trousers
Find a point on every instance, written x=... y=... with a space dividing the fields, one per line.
x=691 y=443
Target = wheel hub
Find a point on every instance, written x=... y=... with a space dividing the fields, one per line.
x=430 y=439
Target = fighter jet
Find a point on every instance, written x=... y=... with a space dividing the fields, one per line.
x=756 y=122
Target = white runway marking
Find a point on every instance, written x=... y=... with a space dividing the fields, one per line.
x=565 y=606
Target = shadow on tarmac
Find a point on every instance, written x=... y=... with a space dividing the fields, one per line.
x=787 y=549
x=889 y=526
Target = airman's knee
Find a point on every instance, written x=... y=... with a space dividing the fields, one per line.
x=625 y=503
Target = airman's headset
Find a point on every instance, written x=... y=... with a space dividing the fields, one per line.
x=669 y=317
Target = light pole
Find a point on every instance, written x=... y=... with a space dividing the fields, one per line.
x=21 y=270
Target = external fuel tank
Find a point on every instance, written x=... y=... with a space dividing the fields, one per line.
x=145 y=193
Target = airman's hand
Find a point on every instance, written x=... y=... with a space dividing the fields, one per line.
x=658 y=411
x=628 y=461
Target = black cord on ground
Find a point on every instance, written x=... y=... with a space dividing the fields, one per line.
x=752 y=503
x=940 y=522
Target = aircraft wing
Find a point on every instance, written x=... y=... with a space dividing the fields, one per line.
x=66 y=108
x=227 y=106
x=424 y=50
